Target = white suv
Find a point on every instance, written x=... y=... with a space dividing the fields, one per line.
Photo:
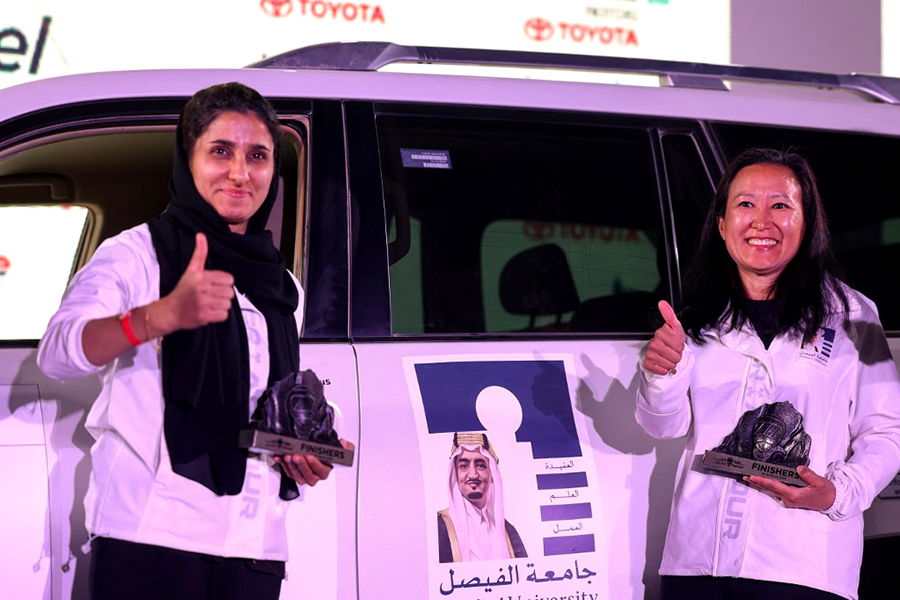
x=478 y=252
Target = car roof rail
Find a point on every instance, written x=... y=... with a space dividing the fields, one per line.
x=371 y=56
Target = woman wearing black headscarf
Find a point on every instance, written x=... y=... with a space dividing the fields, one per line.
x=175 y=508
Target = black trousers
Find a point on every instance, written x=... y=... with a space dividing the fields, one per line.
x=122 y=569
x=732 y=588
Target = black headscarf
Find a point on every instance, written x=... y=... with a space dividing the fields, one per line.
x=206 y=371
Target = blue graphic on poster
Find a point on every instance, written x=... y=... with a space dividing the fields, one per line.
x=506 y=474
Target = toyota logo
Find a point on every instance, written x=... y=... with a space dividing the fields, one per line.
x=538 y=29
x=277 y=8
x=536 y=230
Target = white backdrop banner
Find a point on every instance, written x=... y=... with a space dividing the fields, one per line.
x=44 y=38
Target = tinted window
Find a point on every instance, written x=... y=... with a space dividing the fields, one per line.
x=500 y=226
x=855 y=175
x=691 y=191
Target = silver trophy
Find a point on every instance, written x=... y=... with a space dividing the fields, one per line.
x=292 y=417
x=768 y=441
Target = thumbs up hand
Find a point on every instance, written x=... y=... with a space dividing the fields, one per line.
x=663 y=352
x=201 y=296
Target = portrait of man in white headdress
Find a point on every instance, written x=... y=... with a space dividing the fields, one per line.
x=473 y=527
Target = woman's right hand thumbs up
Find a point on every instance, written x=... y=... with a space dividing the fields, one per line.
x=664 y=351
x=201 y=296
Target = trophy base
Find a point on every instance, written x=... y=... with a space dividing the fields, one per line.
x=738 y=465
x=263 y=442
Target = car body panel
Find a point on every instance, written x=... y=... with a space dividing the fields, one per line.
x=369 y=531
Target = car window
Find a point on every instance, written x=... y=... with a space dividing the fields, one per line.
x=516 y=227
x=38 y=246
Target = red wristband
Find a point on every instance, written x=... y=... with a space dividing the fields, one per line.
x=125 y=321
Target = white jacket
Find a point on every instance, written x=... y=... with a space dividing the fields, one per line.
x=849 y=395
x=133 y=494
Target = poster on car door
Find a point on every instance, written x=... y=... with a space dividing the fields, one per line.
x=511 y=488
x=45 y=38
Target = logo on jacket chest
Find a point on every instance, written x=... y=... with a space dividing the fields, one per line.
x=817 y=352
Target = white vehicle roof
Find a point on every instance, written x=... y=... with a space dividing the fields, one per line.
x=856 y=103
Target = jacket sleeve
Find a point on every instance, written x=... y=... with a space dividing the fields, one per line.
x=874 y=454
x=104 y=287
x=663 y=405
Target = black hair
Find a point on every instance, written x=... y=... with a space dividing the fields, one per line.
x=206 y=105
x=805 y=291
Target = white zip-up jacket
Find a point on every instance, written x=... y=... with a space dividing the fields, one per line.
x=133 y=494
x=845 y=385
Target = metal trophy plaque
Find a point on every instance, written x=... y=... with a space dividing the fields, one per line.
x=768 y=441
x=292 y=417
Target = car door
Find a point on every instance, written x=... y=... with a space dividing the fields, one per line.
x=504 y=278
x=55 y=208
x=73 y=174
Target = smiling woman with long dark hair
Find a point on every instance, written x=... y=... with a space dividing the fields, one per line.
x=773 y=358
x=806 y=286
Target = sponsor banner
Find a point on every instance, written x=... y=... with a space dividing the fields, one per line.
x=505 y=456
x=42 y=38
